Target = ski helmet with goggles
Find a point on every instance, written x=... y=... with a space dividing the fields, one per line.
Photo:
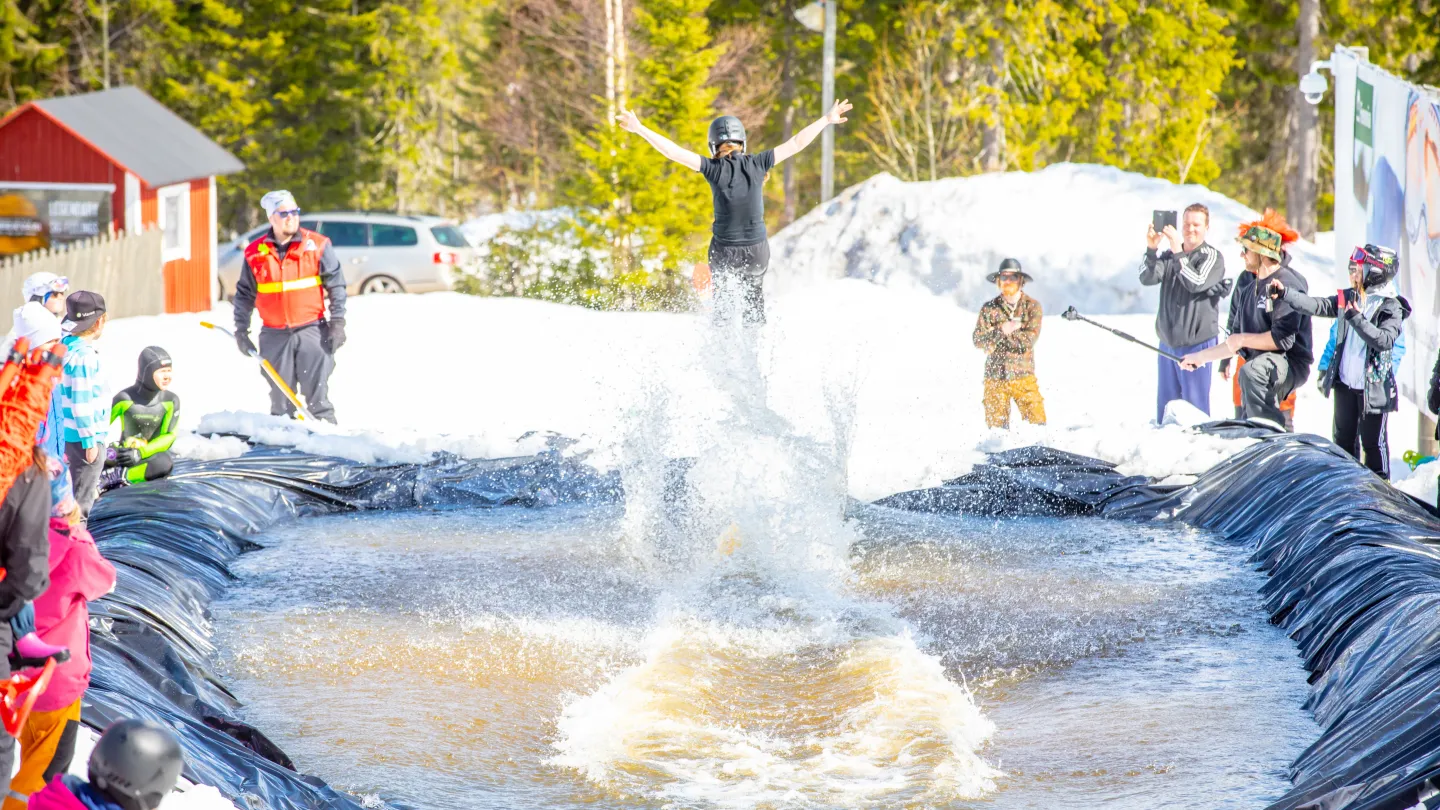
x=726 y=128
x=136 y=763
x=1379 y=264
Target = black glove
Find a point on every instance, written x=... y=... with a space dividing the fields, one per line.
x=121 y=456
x=334 y=334
x=247 y=348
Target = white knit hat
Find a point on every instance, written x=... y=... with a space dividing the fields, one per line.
x=276 y=200
x=35 y=323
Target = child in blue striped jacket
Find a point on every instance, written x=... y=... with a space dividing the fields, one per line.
x=84 y=402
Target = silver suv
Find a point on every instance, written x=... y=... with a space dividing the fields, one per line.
x=381 y=253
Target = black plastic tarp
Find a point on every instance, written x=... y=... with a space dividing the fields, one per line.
x=1354 y=577
x=172 y=542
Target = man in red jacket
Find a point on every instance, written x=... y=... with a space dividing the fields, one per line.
x=78 y=574
x=288 y=276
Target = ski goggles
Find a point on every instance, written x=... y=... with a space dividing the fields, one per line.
x=59 y=285
x=1372 y=256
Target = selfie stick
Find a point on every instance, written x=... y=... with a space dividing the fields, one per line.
x=1071 y=315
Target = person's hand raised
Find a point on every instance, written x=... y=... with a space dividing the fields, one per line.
x=1152 y=237
x=1174 y=237
x=628 y=121
x=837 y=112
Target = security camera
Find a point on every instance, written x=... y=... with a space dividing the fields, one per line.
x=1312 y=86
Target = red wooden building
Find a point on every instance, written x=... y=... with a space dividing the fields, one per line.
x=159 y=170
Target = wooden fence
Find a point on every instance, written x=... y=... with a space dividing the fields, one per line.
x=125 y=268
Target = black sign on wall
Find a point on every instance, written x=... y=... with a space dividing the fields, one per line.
x=35 y=216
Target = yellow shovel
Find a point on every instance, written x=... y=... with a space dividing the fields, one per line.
x=301 y=412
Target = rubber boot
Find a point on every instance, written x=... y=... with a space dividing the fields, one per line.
x=31 y=651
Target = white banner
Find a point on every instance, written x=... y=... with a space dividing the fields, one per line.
x=1387 y=192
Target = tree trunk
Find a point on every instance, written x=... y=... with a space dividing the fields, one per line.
x=610 y=63
x=788 y=190
x=1303 y=187
x=992 y=135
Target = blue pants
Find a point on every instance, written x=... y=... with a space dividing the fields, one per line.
x=1191 y=386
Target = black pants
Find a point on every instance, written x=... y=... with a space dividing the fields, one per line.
x=1265 y=381
x=736 y=275
x=300 y=358
x=1355 y=429
x=85 y=476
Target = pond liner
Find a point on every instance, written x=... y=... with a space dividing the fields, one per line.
x=172 y=542
x=1354 y=578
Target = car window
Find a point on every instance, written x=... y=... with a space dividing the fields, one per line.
x=393 y=236
x=449 y=236
x=344 y=234
x=308 y=224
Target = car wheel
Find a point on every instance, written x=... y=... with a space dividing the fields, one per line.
x=380 y=284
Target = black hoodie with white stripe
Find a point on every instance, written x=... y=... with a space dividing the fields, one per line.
x=1192 y=283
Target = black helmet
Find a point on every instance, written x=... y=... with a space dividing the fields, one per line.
x=726 y=128
x=1380 y=264
x=136 y=763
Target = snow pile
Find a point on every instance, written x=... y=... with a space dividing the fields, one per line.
x=483 y=228
x=1078 y=229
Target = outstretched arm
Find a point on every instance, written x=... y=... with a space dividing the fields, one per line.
x=630 y=122
x=804 y=137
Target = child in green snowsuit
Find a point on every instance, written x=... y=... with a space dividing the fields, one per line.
x=142 y=424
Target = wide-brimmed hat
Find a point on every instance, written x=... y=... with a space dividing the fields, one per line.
x=1267 y=235
x=1009 y=267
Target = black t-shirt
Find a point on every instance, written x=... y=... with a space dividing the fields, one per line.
x=737 y=187
x=1288 y=326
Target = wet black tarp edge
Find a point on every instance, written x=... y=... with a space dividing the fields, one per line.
x=1354 y=578
x=172 y=542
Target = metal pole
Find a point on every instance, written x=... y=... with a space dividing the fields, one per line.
x=827 y=96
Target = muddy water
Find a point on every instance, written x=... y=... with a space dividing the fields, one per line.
x=526 y=659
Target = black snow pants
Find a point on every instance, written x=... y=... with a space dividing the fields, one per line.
x=736 y=276
x=300 y=358
x=1355 y=429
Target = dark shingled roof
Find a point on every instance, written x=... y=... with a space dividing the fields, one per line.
x=139 y=133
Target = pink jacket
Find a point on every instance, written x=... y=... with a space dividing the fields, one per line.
x=78 y=574
x=55 y=796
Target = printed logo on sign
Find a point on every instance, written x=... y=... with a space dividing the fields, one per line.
x=1363 y=159
x=1364 y=112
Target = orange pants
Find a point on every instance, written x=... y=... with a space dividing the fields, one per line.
x=1025 y=391
x=47 y=744
x=1287 y=405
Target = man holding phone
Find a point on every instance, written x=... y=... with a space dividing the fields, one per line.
x=1272 y=335
x=1191 y=275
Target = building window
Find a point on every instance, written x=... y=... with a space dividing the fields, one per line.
x=174 y=220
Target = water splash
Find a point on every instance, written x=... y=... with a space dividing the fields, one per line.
x=763 y=681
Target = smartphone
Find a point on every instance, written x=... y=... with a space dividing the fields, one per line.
x=1346 y=298
x=1163 y=218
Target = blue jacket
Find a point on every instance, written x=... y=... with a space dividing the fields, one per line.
x=1396 y=352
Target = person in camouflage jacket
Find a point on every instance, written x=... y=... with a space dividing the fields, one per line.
x=1008 y=326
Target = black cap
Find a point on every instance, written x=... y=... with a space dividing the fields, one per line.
x=82 y=310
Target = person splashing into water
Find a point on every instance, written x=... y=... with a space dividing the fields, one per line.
x=739 y=247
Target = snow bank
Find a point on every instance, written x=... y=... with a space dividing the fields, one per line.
x=1078 y=229
x=482 y=229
